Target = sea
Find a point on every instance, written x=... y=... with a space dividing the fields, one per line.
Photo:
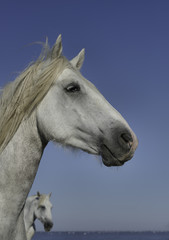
x=101 y=236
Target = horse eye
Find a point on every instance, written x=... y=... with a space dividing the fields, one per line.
x=42 y=208
x=72 y=88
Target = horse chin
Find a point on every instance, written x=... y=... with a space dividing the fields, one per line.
x=47 y=229
x=109 y=159
x=112 y=162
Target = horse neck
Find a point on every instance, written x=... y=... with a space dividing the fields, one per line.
x=29 y=211
x=19 y=163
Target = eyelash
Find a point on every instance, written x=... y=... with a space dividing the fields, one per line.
x=42 y=208
x=72 y=88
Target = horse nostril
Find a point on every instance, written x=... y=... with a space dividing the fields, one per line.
x=127 y=139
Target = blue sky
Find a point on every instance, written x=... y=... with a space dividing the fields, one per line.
x=127 y=58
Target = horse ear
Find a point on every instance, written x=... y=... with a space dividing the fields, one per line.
x=38 y=194
x=57 y=48
x=50 y=195
x=77 y=61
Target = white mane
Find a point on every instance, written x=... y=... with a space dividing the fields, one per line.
x=19 y=98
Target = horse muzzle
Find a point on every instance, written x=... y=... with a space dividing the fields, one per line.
x=48 y=225
x=122 y=151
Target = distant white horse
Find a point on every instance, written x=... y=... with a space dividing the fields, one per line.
x=37 y=207
x=52 y=101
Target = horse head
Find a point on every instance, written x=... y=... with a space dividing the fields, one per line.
x=43 y=210
x=74 y=113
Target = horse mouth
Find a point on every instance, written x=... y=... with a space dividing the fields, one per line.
x=109 y=159
x=48 y=226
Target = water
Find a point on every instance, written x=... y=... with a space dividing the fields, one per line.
x=101 y=236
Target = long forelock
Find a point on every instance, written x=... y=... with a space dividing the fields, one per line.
x=42 y=199
x=20 y=98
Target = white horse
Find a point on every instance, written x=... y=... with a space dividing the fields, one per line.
x=52 y=101
x=37 y=207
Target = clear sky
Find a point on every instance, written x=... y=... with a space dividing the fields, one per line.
x=127 y=58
